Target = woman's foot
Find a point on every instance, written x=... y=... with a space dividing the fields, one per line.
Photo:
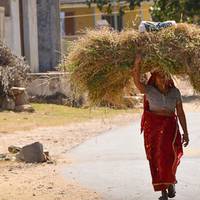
x=164 y=195
x=171 y=191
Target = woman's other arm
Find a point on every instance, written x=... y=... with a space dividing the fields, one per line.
x=136 y=72
x=182 y=120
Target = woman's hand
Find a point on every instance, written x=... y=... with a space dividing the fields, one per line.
x=138 y=60
x=136 y=66
x=136 y=73
x=185 y=139
x=182 y=120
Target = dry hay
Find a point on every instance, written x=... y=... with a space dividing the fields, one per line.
x=13 y=70
x=101 y=61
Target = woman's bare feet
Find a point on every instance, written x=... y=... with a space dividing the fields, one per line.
x=164 y=195
x=171 y=191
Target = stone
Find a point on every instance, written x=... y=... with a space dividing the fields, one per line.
x=2 y=156
x=50 y=162
x=46 y=153
x=32 y=153
x=18 y=90
x=21 y=99
x=20 y=95
x=14 y=149
x=7 y=159
x=8 y=103
x=24 y=108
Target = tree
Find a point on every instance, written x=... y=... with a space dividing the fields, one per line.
x=193 y=11
x=162 y=10
x=107 y=5
x=178 y=10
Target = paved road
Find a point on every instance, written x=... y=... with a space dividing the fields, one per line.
x=114 y=165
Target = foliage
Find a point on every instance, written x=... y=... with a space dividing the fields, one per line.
x=13 y=70
x=178 y=10
x=162 y=10
x=107 y=5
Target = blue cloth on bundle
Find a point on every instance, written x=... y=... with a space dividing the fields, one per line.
x=155 y=26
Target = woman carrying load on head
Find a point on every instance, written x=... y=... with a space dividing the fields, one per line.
x=162 y=139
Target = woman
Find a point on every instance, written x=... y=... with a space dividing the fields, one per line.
x=162 y=139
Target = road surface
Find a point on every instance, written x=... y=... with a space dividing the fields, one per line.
x=114 y=165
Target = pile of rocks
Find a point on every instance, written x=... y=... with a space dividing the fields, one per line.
x=32 y=153
x=17 y=100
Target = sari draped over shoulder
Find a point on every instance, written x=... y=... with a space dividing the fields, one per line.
x=163 y=147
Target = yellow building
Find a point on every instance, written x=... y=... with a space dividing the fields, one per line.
x=77 y=16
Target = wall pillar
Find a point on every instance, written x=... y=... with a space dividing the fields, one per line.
x=10 y=25
x=115 y=9
x=30 y=30
x=49 y=37
x=2 y=23
x=15 y=27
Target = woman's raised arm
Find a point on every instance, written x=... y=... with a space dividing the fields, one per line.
x=136 y=72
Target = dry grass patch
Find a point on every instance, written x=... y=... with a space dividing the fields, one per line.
x=53 y=115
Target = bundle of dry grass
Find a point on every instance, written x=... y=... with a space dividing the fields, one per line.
x=101 y=61
x=13 y=70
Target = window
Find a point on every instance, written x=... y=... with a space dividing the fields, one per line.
x=69 y=23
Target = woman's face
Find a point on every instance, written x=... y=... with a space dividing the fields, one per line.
x=160 y=79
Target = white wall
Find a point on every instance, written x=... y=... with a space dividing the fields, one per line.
x=2 y=21
x=8 y=31
x=11 y=31
x=11 y=28
x=15 y=24
x=31 y=33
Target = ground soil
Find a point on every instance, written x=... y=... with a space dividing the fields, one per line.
x=21 y=181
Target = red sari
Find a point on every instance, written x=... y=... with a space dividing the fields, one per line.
x=162 y=140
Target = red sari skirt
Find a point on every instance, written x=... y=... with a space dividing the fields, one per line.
x=163 y=147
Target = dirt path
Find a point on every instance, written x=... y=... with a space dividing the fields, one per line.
x=21 y=181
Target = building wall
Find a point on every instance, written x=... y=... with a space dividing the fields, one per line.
x=12 y=31
x=12 y=28
x=8 y=31
x=47 y=84
x=98 y=14
x=20 y=33
x=81 y=22
x=131 y=18
x=145 y=11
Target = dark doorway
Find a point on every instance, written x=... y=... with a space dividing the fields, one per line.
x=69 y=24
x=21 y=21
